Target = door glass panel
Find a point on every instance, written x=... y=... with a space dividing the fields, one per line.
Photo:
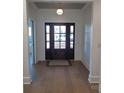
x=71 y=45
x=47 y=37
x=47 y=45
x=56 y=37
x=62 y=44
x=56 y=29
x=56 y=45
x=47 y=29
x=71 y=29
x=71 y=37
x=63 y=29
x=63 y=37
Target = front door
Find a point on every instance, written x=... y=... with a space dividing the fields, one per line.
x=59 y=41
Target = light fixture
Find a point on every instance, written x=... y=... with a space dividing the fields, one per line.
x=59 y=11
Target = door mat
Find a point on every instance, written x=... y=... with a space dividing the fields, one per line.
x=58 y=63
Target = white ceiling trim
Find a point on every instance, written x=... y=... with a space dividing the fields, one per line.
x=55 y=5
x=60 y=1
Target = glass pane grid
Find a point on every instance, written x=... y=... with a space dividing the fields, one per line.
x=59 y=45
x=59 y=36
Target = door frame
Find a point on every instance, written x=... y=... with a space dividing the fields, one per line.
x=61 y=23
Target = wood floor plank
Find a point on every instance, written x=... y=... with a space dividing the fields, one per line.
x=65 y=79
x=68 y=82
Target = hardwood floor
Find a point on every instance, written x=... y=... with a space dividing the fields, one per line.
x=64 y=79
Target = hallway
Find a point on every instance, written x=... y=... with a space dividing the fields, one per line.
x=64 y=79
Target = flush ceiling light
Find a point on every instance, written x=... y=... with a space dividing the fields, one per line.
x=59 y=11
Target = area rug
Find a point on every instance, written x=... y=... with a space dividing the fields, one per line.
x=58 y=63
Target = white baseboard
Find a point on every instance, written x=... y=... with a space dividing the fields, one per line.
x=94 y=79
x=85 y=64
x=27 y=80
x=100 y=88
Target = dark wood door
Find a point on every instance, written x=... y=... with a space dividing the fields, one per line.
x=59 y=40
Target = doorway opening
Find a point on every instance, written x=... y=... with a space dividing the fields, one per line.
x=59 y=41
x=31 y=42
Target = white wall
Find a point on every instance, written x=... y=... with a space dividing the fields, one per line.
x=46 y=15
x=95 y=64
x=87 y=15
x=26 y=75
x=33 y=13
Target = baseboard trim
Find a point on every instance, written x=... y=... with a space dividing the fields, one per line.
x=100 y=88
x=94 y=79
x=86 y=65
x=27 y=80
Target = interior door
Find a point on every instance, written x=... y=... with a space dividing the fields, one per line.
x=59 y=40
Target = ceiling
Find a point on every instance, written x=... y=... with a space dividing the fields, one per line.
x=55 y=5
